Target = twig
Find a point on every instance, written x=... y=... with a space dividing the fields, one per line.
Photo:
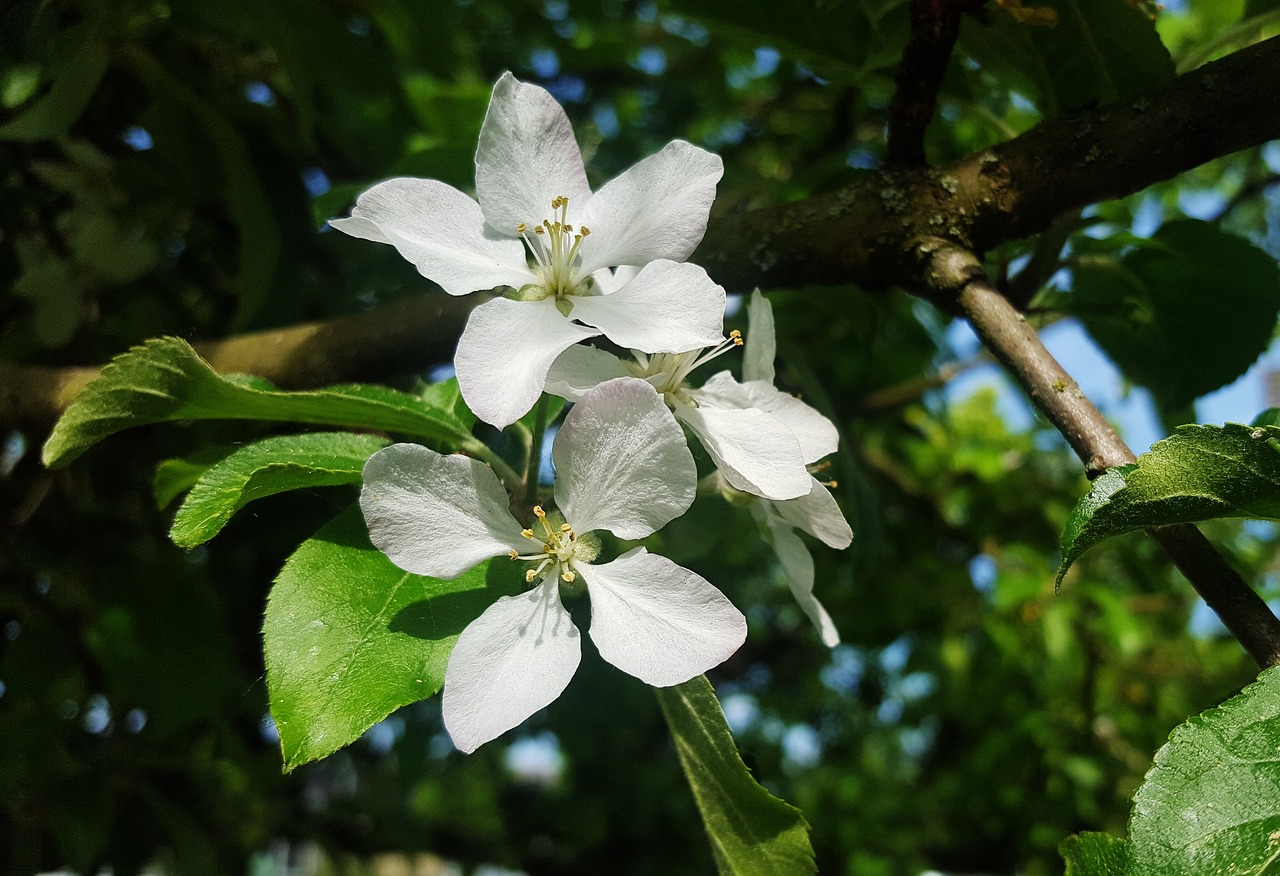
x=1007 y=335
x=935 y=25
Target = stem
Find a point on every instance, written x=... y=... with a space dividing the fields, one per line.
x=1006 y=334
x=531 y=470
x=509 y=476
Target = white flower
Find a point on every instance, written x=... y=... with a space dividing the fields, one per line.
x=621 y=465
x=539 y=230
x=760 y=438
x=817 y=514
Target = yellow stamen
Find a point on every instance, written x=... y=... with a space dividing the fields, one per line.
x=538 y=512
x=567 y=575
x=527 y=533
x=514 y=554
x=529 y=576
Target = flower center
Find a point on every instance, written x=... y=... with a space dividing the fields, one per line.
x=554 y=246
x=667 y=371
x=561 y=548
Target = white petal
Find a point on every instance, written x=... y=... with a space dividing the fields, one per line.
x=622 y=463
x=754 y=452
x=504 y=354
x=441 y=231
x=761 y=345
x=611 y=280
x=435 y=515
x=659 y=621
x=817 y=435
x=668 y=308
x=514 y=659
x=657 y=209
x=797 y=566
x=580 y=368
x=818 y=514
x=526 y=157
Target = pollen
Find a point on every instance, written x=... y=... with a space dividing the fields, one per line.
x=553 y=249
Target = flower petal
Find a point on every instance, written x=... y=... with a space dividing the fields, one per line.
x=754 y=452
x=657 y=209
x=504 y=354
x=580 y=368
x=514 y=659
x=797 y=566
x=441 y=231
x=659 y=621
x=817 y=435
x=622 y=463
x=526 y=157
x=818 y=514
x=668 y=308
x=435 y=515
x=761 y=345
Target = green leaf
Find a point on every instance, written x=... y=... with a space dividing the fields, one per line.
x=267 y=467
x=177 y=475
x=1185 y=318
x=1099 y=51
x=751 y=831
x=79 y=68
x=1095 y=854
x=1208 y=804
x=1198 y=473
x=349 y=638
x=165 y=380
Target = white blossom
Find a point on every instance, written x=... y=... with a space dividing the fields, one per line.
x=622 y=465
x=762 y=440
x=537 y=230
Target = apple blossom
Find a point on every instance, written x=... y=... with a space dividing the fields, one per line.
x=622 y=465
x=537 y=230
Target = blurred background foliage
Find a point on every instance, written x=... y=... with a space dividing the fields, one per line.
x=167 y=167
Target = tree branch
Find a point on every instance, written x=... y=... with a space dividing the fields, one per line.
x=935 y=25
x=411 y=333
x=1003 y=330
x=866 y=233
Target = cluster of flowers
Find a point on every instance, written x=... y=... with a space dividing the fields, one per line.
x=578 y=265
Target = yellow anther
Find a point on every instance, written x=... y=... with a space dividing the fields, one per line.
x=527 y=533
x=564 y=527
x=833 y=483
x=538 y=229
x=738 y=342
x=514 y=554
x=735 y=334
x=584 y=231
x=538 y=512
x=529 y=576
x=521 y=228
x=567 y=575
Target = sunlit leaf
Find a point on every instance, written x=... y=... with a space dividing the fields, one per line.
x=1198 y=473
x=751 y=831
x=1208 y=805
x=349 y=638
x=165 y=380
x=264 y=468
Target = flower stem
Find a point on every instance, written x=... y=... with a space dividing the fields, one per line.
x=531 y=470
x=483 y=452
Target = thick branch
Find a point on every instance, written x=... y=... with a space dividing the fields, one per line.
x=867 y=232
x=935 y=25
x=1006 y=334
x=416 y=332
